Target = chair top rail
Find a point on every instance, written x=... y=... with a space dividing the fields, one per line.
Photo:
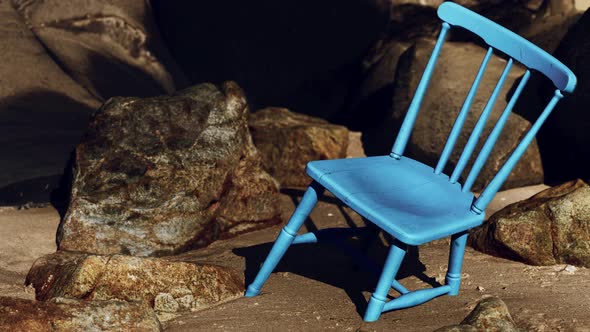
x=510 y=43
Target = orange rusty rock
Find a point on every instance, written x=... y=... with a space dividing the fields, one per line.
x=75 y=315
x=134 y=279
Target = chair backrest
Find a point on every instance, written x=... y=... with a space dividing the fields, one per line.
x=517 y=49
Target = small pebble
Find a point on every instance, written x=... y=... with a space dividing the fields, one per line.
x=570 y=269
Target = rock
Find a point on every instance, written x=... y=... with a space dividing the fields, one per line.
x=74 y=315
x=165 y=302
x=441 y=105
x=565 y=138
x=161 y=175
x=414 y=19
x=170 y=286
x=561 y=7
x=551 y=227
x=111 y=47
x=355 y=145
x=372 y=99
x=43 y=113
x=548 y=31
x=490 y=314
x=288 y=141
x=411 y=19
x=382 y=72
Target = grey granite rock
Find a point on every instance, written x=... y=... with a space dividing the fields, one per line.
x=160 y=175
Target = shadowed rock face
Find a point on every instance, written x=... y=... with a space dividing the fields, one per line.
x=490 y=314
x=565 y=139
x=43 y=112
x=71 y=315
x=455 y=71
x=288 y=141
x=111 y=47
x=413 y=19
x=59 y=60
x=549 y=228
x=418 y=18
x=169 y=286
x=160 y=175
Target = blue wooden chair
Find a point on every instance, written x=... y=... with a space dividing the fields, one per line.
x=411 y=201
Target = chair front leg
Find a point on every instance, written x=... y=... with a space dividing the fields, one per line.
x=453 y=278
x=286 y=237
x=392 y=265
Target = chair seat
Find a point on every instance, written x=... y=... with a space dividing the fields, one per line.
x=402 y=196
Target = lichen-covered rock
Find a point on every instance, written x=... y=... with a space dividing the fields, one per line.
x=549 y=228
x=111 y=47
x=170 y=286
x=287 y=141
x=161 y=175
x=455 y=71
x=490 y=314
x=43 y=112
x=75 y=315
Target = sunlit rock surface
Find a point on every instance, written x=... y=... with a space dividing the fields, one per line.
x=441 y=105
x=168 y=286
x=549 y=228
x=287 y=141
x=161 y=175
x=74 y=315
x=490 y=314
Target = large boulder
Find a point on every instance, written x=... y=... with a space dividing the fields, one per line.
x=111 y=47
x=411 y=19
x=161 y=175
x=548 y=31
x=372 y=98
x=490 y=314
x=74 y=315
x=544 y=22
x=549 y=228
x=287 y=141
x=43 y=113
x=443 y=101
x=169 y=286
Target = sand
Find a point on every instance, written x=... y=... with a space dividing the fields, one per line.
x=318 y=287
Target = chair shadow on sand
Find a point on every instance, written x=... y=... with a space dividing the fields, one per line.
x=352 y=263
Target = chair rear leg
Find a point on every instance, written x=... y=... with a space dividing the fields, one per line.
x=286 y=237
x=394 y=260
x=457 y=252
